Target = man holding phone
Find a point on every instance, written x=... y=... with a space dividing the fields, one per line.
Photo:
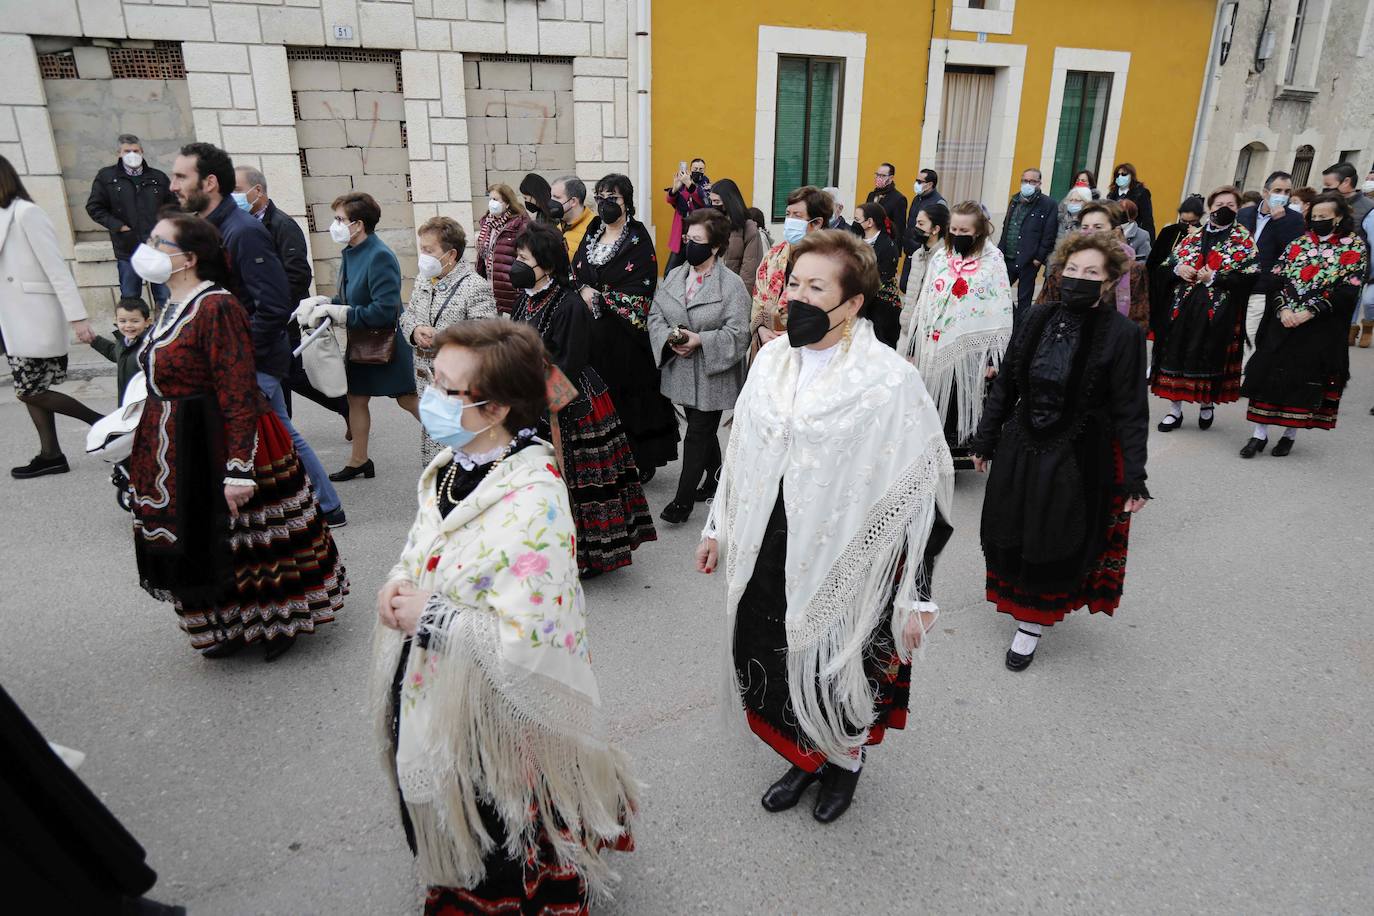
x=691 y=190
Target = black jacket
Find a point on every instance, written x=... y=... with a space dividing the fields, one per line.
x=119 y=199
x=1269 y=247
x=893 y=203
x=1039 y=232
x=124 y=356
x=290 y=242
x=887 y=254
x=1139 y=195
x=256 y=277
x=909 y=242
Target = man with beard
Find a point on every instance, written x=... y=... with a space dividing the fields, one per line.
x=203 y=180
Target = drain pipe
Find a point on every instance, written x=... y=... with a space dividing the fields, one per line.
x=643 y=174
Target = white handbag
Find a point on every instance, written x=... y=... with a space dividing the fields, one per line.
x=322 y=356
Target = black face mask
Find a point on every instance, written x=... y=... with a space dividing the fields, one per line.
x=962 y=244
x=697 y=253
x=1223 y=216
x=1079 y=293
x=920 y=235
x=698 y=177
x=554 y=210
x=608 y=210
x=1323 y=227
x=807 y=323
x=522 y=275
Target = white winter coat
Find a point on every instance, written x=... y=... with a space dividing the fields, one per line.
x=38 y=297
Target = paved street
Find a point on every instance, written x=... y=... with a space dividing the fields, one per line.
x=1205 y=751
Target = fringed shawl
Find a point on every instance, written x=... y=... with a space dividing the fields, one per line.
x=863 y=464
x=962 y=325
x=498 y=699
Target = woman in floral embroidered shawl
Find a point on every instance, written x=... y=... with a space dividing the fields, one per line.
x=962 y=323
x=486 y=706
x=1198 y=358
x=1301 y=362
x=616 y=273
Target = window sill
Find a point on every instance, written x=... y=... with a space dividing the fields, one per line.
x=1297 y=93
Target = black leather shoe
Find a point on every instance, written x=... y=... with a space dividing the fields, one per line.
x=40 y=466
x=1169 y=423
x=646 y=474
x=784 y=793
x=336 y=519
x=367 y=469
x=1253 y=447
x=708 y=489
x=1282 y=447
x=223 y=649
x=1018 y=662
x=837 y=791
x=278 y=647
x=675 y=513
x=1205 y=418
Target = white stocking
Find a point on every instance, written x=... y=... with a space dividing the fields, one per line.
x=1026 y=639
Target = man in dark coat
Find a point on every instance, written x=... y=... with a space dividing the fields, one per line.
x=126 y=198
x=1272 y=226
x=1028 y=236
x=886 y=195
x=250 y=187
x=202 y=179
x=926 y=195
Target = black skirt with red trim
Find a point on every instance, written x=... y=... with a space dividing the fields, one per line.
x=608 y=500
x=760 y=653
x=1023 y=593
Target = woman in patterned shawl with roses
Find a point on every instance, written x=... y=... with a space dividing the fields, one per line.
x=1199 y=357
x=483 y=695
x=1301 y=364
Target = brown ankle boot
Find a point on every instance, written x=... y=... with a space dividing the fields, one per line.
x=1366 y=333
x=1354 y=335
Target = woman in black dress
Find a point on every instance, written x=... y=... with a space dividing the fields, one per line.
x=1064 y=431
x=887 y=310
x=613 y=516
x=1161 y=275
x=615 y=272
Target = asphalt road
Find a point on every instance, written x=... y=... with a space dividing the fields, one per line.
x=1205 y=751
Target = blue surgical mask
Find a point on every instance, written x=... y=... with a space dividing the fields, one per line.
x=1123 y=181
x=1027 y=189
x=242 y=201
x=1074 y=207
x=1277 y=201
x=794 y=229
x=442 y=417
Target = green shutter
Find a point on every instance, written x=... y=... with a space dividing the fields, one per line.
x=790 y=130
x=1082 y=122
x=1065 y=146
x=820 y=140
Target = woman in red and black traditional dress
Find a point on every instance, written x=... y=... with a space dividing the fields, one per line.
x=612 y=514
x=1301 y=361
x=226 y=526
x=615 y=271
x=1064 y=431
x=1198 y=359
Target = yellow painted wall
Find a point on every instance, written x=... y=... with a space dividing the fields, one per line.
x=705 y=57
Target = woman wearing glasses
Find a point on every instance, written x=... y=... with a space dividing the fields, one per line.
x=226 y=526
x=615 y=272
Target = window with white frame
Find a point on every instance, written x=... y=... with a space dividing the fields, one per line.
x=992 y=16
x=806 y=143
x=1305 y=36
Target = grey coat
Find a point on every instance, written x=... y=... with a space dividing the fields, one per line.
x=709 y=379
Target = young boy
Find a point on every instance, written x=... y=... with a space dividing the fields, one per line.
x=132 y=320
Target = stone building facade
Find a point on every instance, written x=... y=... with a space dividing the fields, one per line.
x=421 y=102
x=1291 y=88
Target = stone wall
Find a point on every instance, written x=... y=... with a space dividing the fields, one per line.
x=520 y=119
x=350 y=124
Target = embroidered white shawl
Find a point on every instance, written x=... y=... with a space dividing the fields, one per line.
x=962 y=325
x=502 y=704
x=863 y=464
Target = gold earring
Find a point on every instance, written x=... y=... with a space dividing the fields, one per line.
x=848 y=331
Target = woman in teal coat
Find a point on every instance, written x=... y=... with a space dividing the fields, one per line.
x=369 y=297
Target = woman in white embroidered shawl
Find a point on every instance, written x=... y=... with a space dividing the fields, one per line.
x=962 y=323
x=829 y=513
x=487 y=707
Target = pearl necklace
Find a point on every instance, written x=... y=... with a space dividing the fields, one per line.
x=453 y=465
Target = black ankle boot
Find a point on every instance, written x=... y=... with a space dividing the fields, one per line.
x=784 y=793
x=837 y=791
x=222 y=649
x=278 y=647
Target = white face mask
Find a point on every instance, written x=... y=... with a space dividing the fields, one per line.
x=918 y=188
x=794 y=229
x=1368 y=187
x=430 y=266
x=132 y=159
x=152 y=264
x=340 y=232
x=1127 y=228
x=496 y=207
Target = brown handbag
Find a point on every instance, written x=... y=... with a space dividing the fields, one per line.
x=368 y=346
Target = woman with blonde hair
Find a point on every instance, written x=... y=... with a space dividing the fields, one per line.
x=506 y=216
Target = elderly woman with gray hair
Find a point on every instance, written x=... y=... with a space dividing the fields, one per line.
x=699 y=333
